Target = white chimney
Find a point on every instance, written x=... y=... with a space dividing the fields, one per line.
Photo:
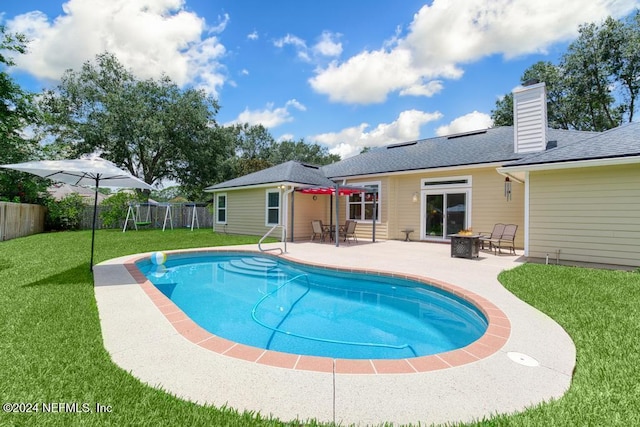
x=530 y=118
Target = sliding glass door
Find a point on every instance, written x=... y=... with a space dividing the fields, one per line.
x=445 y=213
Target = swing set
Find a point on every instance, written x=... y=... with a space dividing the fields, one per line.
x=136 y=210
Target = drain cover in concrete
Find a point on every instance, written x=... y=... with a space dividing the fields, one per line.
x=522 y=359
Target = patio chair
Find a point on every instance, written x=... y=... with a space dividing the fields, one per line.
x=319 y=229
x=348 y=231
x=492 y=237
x=507 y=240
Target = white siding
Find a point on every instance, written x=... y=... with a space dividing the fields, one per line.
x=588 y=214
x=488 y=204
x=246 y=212
x=530 y=118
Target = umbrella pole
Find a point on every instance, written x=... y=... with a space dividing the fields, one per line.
x=337 y=215
x=93 y=228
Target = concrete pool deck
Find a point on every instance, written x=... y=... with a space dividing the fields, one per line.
x=144 y=340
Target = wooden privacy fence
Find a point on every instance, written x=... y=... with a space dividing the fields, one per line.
x=20 y=219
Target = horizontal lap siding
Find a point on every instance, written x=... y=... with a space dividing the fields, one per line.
x=404 y=212
x=488 y=205
x=364 y=230
x=589 y=215
x=305 y=210
x=246 y=213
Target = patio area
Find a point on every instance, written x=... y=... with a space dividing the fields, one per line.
x=534 y=365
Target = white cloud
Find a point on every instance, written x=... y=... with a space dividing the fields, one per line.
x=351 y=141
x=328 y=45
x=147 y=36
x=285 y=137
x=428 y=89
x=270 y=116
x=253 y=35
x=299 y=45
x=466 y=123
x=450 y=33
x=368 y=77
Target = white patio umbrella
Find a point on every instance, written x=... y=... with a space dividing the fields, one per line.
x=94 y=172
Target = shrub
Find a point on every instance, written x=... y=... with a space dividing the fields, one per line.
x=65 y=214
x=114 y=209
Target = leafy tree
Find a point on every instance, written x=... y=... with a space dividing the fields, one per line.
x=596 y=84
x=302 y=152
x=621 y=44
x=502 y=114
x=253 y=145
x=255 y=149
x=207 y=162
x=152 y=128
x=587 y=77
x=16 y=113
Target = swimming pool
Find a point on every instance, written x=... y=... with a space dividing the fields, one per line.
x=266 y=302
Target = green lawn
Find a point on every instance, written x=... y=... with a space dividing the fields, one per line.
x=51 y=345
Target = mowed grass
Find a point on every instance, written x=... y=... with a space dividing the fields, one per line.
x=51 y=345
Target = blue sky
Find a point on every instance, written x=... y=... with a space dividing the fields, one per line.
x=343 y=74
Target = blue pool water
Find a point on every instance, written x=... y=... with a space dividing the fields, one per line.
x=293 y=308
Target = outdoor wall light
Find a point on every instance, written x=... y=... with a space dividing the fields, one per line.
x=415 y=197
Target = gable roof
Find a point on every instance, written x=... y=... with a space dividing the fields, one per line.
x=482 y=147
x=494 y=145
x=289 y=172
x=619 y=142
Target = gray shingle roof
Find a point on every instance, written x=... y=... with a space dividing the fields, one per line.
x=493 y=145
x=623 y=141
x=473 y=148
x=291 y=171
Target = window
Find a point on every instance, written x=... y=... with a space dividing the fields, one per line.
x=221 y=208
x=273 y=207
x=360 y=206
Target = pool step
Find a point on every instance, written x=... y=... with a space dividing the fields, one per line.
x=251 y=267
x=259 y=261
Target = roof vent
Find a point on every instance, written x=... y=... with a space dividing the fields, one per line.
x=473 y=132
x=552 y=144
x=307 y=165
x=530 y=118
x=402 y=144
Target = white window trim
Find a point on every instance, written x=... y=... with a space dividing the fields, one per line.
x=445 y=188
x=267 y=207
x=218 y=208
x=378 y=204
x=425 y=181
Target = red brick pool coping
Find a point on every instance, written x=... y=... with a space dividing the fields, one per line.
x=495 y=337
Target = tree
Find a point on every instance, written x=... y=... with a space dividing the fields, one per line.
x=152 y=128
x=253 y=145
x=589 y=82
x=502 y=114
x=207 y=162
x=596 y=84
x=17 y=112
x=621 y=47
x=255 y=149
x=302 y=152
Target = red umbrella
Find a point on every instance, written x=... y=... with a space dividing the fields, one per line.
x=342 y=191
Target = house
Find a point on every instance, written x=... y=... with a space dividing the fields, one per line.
x=583 y=199
x=60 y=190
x=574 y=195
